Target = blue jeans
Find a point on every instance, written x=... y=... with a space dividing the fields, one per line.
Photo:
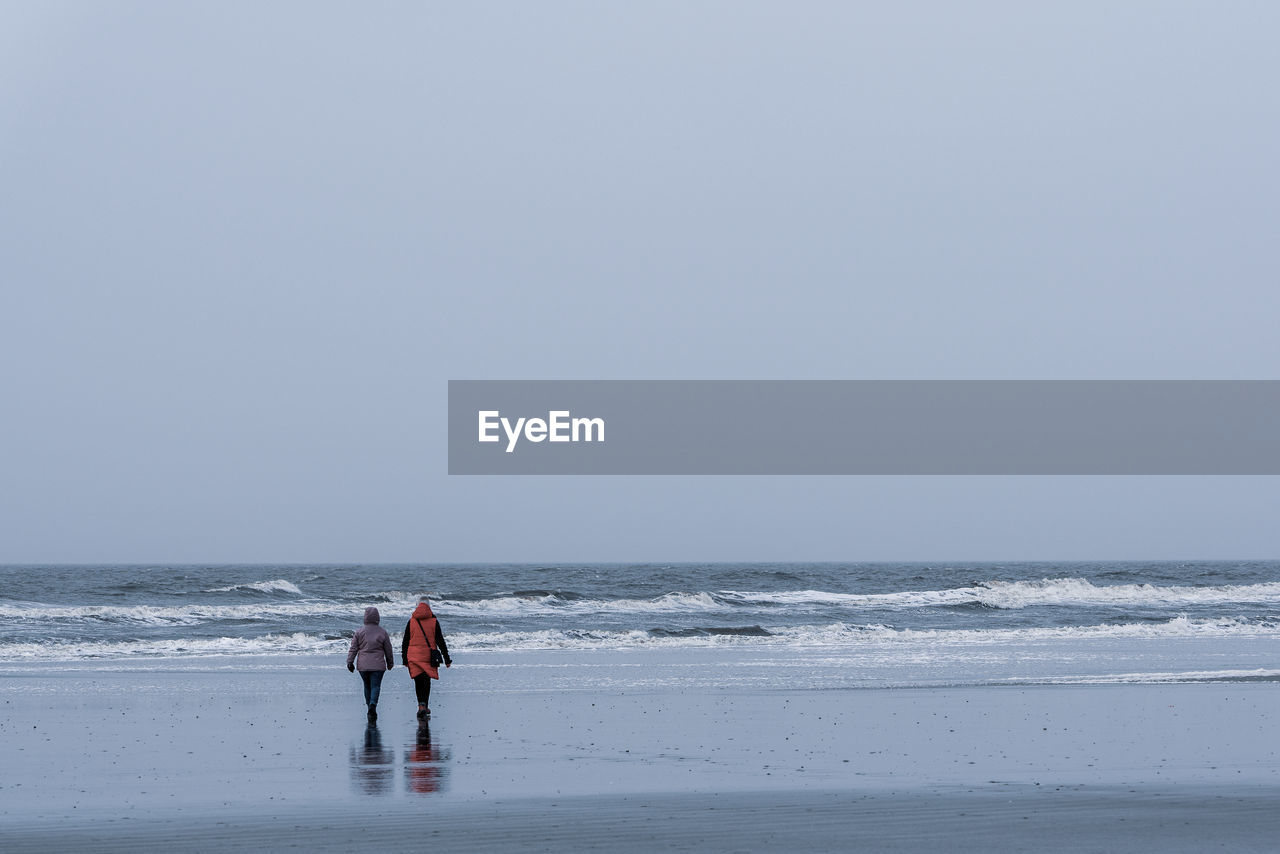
x=372 y=685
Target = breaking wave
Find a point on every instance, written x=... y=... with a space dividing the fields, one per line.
x=847 y=634
x=836 y=636
x=284 y=644
x=1010 y=595
x=276 y=585
x=1001 y=595
x=1254 y=675
x=169 y=615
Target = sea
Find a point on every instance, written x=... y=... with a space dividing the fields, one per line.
x=767 y=625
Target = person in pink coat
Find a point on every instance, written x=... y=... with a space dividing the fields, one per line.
x=371 y=654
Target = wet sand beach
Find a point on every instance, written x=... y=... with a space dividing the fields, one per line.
x=226 y=754
x=998 y=821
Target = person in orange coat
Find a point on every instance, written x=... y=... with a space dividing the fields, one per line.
x=422 y=637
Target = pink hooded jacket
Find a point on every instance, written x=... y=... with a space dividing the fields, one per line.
x=371 y=646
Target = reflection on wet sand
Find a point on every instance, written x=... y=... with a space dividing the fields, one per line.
x=424 y=763
x=372 y=765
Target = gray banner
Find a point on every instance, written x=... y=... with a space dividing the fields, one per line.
x=1127 y=427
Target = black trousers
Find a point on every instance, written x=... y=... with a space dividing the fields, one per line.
x=422 y=686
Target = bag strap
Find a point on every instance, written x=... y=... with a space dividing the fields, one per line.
x=430 y=645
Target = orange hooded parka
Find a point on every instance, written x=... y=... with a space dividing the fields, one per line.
x=421 y=635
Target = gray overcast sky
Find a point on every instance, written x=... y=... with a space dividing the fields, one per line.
x=244 y=246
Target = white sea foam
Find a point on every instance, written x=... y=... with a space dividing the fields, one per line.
x=1007 y=595
x=1023 y=594
x=1004 y=595
x=1178 y=627
x=551 y=604
x=821 y=599
x=1256 y=674
x=1078 y=591
x=845 y=634
x=193 y=614
x=275 y=585
x=836 y=636
x=388 y=604
x=280 y=644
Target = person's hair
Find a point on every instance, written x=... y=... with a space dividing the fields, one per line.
x=423 y=599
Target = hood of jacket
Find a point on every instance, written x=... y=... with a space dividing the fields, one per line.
x=422 y=611
x=371 y=615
